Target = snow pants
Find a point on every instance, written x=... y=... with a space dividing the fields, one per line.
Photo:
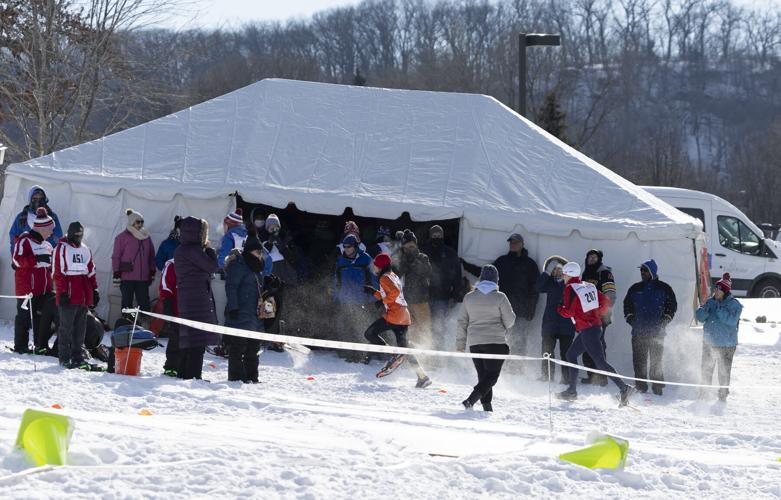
x=549 y=347
x=243 y=359
x=488 y=371
x=644 y=350
x=400 y=331
x=191 y=363
x=172 y=352
x=23 y=322
x=70 y=337
x=588 y=361
x=721 y=357
x=138 y=290
x=589 y=341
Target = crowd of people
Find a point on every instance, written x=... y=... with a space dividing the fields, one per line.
x=388 y=284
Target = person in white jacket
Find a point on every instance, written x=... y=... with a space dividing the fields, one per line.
x=486 y=316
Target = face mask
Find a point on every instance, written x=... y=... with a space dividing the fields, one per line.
x=76 y=238
x=259 y=223
x=437 y=242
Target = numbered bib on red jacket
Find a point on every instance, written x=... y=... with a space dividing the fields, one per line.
x=588 y=295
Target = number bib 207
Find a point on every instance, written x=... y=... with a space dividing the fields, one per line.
x=589 y=298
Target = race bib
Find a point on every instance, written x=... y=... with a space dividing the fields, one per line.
x=587 y=293
x=275 y=254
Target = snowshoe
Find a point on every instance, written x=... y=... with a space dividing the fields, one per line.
x=220 y=351
x=83 y=365
x=567 y=395
x=100 y=353
x=423 y=382
x=625 y=394
x=395 y=362
x=170 y=373
x=42 y=351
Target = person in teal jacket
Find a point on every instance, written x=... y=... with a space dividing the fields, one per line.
x=720 y=316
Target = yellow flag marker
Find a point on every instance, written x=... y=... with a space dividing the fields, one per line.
x=45 y=437
x=605 y=452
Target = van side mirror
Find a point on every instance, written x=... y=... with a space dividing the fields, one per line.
x=766 y=250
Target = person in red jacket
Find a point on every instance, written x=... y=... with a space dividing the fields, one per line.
x=76 y=289
x=168 y=294
x=396 y=318
x=585 y=305
x=32 y=261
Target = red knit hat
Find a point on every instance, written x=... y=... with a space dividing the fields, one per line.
x=42 y=219
x=234 y=218
x=381 y=261
x=351 y=227
x=725 y=283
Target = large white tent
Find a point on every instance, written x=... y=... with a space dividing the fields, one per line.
x=382 y=152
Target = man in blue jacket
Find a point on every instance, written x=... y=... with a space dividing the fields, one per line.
x=353 y=273
x=23 y=221
x=720 y=316
x=649 y=306
x=554 y=326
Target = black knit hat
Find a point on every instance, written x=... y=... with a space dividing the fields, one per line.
x=251 y=244
x=409 y=236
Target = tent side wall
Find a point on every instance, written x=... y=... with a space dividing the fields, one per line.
x=103 y=218
x=677 y=267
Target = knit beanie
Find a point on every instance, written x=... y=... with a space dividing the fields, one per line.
x=234 y=218
x=133 y=216
x=351 y=227
x=273 y=221
x=436 y=230
x=42 y=219
x=351 y=240
x=725 y=283
x=382 y=260
x=408 y=237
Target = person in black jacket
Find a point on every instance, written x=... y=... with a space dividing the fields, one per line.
x=518 y=275
x=445 y=282
x=649 y=306
x=414 y=268
x=554 y=326
x=601 y=276
x=243 y=290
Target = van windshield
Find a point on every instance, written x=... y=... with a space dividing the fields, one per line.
x=735 y=235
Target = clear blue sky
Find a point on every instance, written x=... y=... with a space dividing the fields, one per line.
x=234 y=13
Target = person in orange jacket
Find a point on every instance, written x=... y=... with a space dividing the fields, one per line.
x=396 y=318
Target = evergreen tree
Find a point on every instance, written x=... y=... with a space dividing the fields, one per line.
x=551 y=118
x=359 y=80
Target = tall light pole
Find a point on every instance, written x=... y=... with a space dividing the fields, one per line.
x=530 y=40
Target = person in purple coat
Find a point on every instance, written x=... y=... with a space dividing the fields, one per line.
x=133 y=261
x=196 y=261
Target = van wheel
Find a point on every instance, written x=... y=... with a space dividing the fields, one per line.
x=768 y=289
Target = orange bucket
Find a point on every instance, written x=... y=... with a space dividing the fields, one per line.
x=127 y=363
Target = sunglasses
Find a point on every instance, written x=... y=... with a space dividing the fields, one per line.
x=138 y=223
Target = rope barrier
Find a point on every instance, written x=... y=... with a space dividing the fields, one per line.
x=353 y=346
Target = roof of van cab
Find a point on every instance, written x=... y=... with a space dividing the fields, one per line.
x=716 y=201
x=324 y=147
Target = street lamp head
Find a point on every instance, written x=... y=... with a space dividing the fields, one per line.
x=537 y=39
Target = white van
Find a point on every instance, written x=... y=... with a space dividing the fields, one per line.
x=740 y=248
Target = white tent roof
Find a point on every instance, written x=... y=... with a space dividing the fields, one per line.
x=382 y=152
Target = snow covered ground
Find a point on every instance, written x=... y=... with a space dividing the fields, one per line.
x=317 y=427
